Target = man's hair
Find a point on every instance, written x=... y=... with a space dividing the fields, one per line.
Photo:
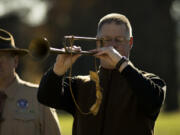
x=117 y=19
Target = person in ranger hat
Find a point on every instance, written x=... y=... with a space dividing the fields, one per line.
x=20 y=112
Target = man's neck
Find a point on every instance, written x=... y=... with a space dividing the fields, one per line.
x=6 y=82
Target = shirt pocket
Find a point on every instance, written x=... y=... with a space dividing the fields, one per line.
x=26 y=123
x=25 y=116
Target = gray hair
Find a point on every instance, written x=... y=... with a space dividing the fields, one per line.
x=117 y=19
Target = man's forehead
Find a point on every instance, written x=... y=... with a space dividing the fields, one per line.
x=114 y=25
x=113 y=29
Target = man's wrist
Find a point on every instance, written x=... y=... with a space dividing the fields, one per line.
x=121 y=63
x=123 y=66
x=58 y=71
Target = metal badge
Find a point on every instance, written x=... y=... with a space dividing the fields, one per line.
x=22 y=103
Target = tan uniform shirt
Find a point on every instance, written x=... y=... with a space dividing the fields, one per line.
x=24 y=115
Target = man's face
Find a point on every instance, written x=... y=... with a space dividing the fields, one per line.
x=8 y=63
x=116 y=35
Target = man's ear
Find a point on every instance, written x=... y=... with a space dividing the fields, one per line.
x=131 y=42
x=16 y=61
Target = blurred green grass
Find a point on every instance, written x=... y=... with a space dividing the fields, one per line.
x=66 y=121
x=166 y=124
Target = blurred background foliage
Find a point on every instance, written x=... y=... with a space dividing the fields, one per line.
x=155 y=23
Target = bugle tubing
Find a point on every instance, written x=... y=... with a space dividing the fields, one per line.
x=39 y=48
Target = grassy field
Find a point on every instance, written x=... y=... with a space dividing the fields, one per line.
x=66 y=123
x=167 y=124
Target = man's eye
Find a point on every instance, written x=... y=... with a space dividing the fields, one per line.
x=119 y=39
x=107 y=41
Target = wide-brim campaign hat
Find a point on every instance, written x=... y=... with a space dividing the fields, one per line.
x=7 y=44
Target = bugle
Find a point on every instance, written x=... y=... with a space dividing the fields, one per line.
x=39 y=48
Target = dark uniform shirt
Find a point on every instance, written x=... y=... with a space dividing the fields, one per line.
x=131 y=101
